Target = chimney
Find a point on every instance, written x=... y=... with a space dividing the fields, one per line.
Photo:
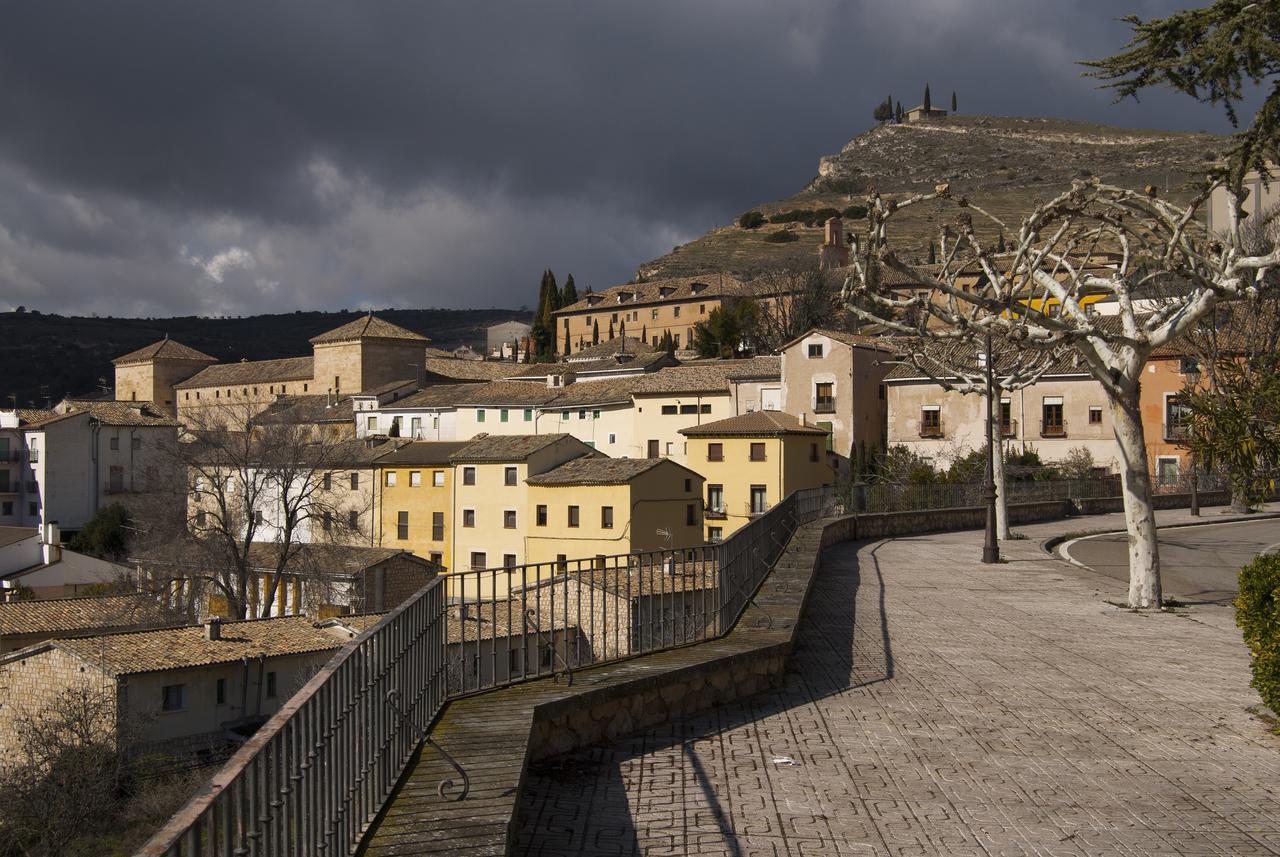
x=213 y=628
x=804 y=418
x=52 y=543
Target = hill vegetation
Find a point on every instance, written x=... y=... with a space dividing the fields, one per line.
x=1005 y=164
x=44 y=356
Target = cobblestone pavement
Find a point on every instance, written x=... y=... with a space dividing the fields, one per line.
x=938 y=706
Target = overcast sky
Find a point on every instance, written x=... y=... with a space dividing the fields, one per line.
x=244 y=157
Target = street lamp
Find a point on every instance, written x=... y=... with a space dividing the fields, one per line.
x=1193 y=380
x=990 y=547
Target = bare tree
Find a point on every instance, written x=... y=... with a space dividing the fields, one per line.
x=800 y=298
x=959 y=367
x=1093 y=242
x=258 y=491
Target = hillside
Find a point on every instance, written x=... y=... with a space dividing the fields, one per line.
x=46 y=356
x=1005 y=164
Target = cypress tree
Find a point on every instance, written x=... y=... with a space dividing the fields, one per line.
x=644 y=334
x=928 y=102
x=611 y=328
x=898 y=114
x=567 y=344
x=933 y=256
x=595 y=332
x=953 y=101
x=539 y=331
x=570 y=294
x=1000 y=246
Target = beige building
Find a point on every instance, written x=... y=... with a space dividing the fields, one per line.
x=186 y=687
x=753 y=461
x=1260 y=198
x=601 y=507
x=150 y=374
x=835 y=380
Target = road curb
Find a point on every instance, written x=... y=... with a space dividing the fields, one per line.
x=1052 y=543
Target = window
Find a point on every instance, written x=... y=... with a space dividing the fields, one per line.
x=1166 y=470
x=113 y=444
x=355 y=481
x=402 y=526
x=173 y=697
x=509 y=476
x=675 y=312
x=715 y=452
x=115 y=479
x=503 y=415
x=595 y=415
x=669 y=410
x=437 y=478
x=930 y=421
x=353 y=520
x=573 y=516
x=613 y=438
x=813 y=452
x=136 y=443
x=528 y=415
x=540 y=515
x=653 y=449
x=824 y=398
x=564 y=415
x=688 y=485
x=655 y=314
x=371 y=424
x=508 y=560
x=220 y=692
x=1189 y=366
x=691 y=514
x=758 y=502
x=715 y=534
x=391 y=479
x=582 y=415
x=1177 y=417
x=415 y=478
x=468 y=517
x=1095 y=415
x=326 y=522
x=328 y=482
x=479 y=415
x=271 y=685
x=827 y=428
x=757 y=451
x=436 y=557
x=6 y=508
x=201 y=517
x=468 y=476
x=606 y=517
x=257 y=516
x=706 y=409
x=415 y=426
x=702 y=309
x=1051 y=421
x=437 y=526
x=31 y=509
x=815 y=349
x=688 y=409
x=478 y=560
x=509 y=519
x=715 y=499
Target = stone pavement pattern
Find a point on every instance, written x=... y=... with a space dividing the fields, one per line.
x=938 y=706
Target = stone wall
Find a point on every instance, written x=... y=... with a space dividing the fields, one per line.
x=1102 y=505
x=33 y=684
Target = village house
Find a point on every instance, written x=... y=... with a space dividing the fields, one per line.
x=191 y=688
x=835 y=380
x=503 y=340
x=34 y=564
x=17 y=483
x=415 y=499
x=753 y=461
x=24 y=623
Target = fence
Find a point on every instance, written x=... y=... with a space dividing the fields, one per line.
x=313 y=777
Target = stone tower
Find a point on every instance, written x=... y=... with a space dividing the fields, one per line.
x=833 y=252
x=365 y=354
x=148 y=374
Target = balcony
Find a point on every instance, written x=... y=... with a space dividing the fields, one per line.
x=1009 y=428
x=1053 y=428
x=1176 y=432
x=931 y=429
x=715 y=513
x=33 y=456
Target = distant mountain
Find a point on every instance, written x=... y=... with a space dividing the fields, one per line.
x=44 y=356
x=1005 y=164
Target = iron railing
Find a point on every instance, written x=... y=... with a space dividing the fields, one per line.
x=314 y=776
x=907 y=497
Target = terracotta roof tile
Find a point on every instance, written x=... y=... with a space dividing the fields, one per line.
x=109 y=413
x=754 y=424
x=251 y=372
x=513 y=447
x=71 y=615
x=469 y=370
x=590 y=470
x=367 y=327
x=651 y=292
x=424 y=452
x=610 y=347
x=165 y=349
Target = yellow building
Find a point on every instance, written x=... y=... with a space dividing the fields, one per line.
x=752 y=461
x=598 y=507
x=415 y=499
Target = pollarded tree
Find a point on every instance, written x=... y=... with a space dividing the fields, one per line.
x=1093 y=242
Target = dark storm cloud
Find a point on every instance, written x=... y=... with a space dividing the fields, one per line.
x=236 y=157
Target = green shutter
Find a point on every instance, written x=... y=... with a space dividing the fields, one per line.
x=827 y=427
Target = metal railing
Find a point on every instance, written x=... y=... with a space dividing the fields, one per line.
x=315 y=775
x=1050 y=428
x=906 y=497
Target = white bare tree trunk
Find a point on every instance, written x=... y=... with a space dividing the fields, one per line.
x=997 y=464
x=1140 y=519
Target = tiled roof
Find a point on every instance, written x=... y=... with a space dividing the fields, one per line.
x=123 y=414
x=165 y=349
x=590 y=470
x=135 y=652
x=607 y=391
x=438 y=396
x=512 y=447
x=71 y=615
x=499 y=393
x=940 y=355
x=677 y=288
x=754 y=424
x=367 y=327
x=389 y=387
x=469 y=370
x=307 y=409
x=28 y=416
x=251 y=372
x=855 y=340
x=610 y=347
x=328 y=559
x=13 y=535
x=424 y=452
x=708 y=376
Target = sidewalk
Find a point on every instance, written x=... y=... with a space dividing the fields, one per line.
x=939 y=706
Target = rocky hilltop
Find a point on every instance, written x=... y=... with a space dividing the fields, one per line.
x=1005 y=164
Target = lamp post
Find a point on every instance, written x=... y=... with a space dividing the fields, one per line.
x=990 y=547
x=1193 y=380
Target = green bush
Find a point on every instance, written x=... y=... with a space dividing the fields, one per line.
x=854 y=212
x=1258 y=615
x=781 y=236
x=751 y=220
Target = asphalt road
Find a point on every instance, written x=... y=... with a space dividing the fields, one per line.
x=1198 y=564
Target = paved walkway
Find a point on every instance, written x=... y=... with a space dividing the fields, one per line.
x=938 y=706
